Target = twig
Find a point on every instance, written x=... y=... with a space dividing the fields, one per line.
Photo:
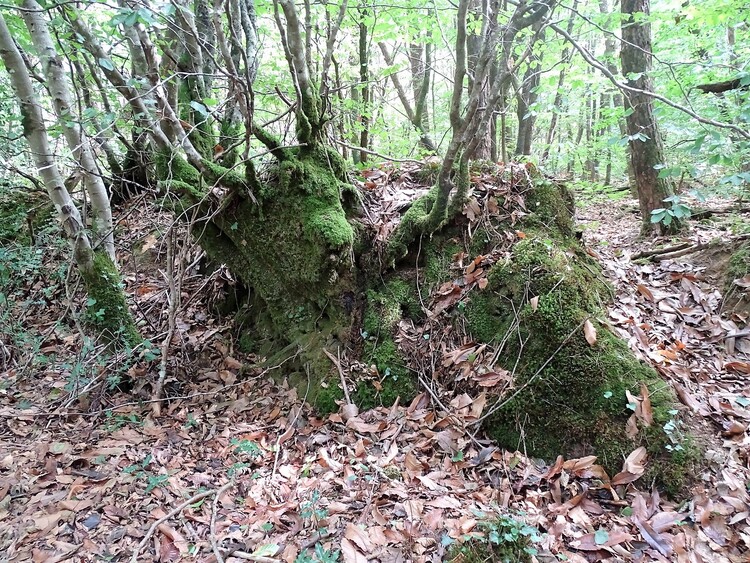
x=337 y=363
x=685 y=248
x=173 y=512
x=214 y=510
x=379 y=155
x=657 y=251
x=174 y=299
x=291 y=425
x=250 y=557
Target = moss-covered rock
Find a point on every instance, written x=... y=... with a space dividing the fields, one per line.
x=570 y=396
x=289 y=242
x=23 y=213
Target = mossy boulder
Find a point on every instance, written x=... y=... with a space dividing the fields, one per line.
x=570 y=396
x=288 y=239
x=317 y=286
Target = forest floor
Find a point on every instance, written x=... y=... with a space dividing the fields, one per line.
x=236 y=467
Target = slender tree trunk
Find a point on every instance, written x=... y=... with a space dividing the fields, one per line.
x=646 y=146
x=527 y=97
x=609 y=58
x=416 y=114
x=364 y=81
x=78 y=142
x=100 y=276
x=474 y=41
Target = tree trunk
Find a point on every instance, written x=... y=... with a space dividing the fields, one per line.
x=610 y=51
x=474 y=41
x=108 y=312
x=646 y=146
x=78 y=142
x=527 y=96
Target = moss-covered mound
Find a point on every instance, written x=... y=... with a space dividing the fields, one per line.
x=736 y=297
x=540 y=294
x=506 y=274
x=288 y=239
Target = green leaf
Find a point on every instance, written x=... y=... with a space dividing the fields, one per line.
x=658 y=215
x=106 y=64
x=267 y=550
x=199 y=107
x=608 y=394
x=601 y=537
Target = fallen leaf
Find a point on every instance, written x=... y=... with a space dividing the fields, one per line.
x=589 y=332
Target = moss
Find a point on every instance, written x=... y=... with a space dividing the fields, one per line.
x=23 y=213
x=573 y=394
x=739 y=266
x=396 y=380
x=551 y=207
x=290 y=246
x=325 y=400
x=107 y=310
x=387 y=304
x=411 y=225
x=396 y=299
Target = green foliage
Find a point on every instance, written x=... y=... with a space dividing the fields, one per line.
x=116 y=421
x=244 y=452
x=32 y=277
x=142 y=472
x=501 y=539
x=675 y=213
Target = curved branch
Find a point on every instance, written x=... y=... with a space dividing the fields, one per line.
x=592 y=60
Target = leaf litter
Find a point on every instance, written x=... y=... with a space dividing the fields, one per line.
x=238 y=467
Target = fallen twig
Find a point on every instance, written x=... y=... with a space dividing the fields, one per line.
x=212 y=528
x=170 y=514
x=337 y=363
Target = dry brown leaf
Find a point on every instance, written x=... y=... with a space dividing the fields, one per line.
x=589 y=332
x=350 y=553
x=646 y=292
x=358 y=536
x=647 y=414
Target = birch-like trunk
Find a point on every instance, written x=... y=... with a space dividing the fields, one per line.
x=78 y=142
x=35 y=133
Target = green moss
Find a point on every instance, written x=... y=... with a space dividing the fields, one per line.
x=411 y=225
x=396 y=299
x=325 y=400
x=551 y=207
x=290 y=246
x=395 y=379
x=739 y=265
x=107 y=310
x=571 y=396
x=23 y=213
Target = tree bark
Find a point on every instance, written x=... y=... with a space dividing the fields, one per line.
x=100 y=276
x=77 y=141
x=646 y=145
